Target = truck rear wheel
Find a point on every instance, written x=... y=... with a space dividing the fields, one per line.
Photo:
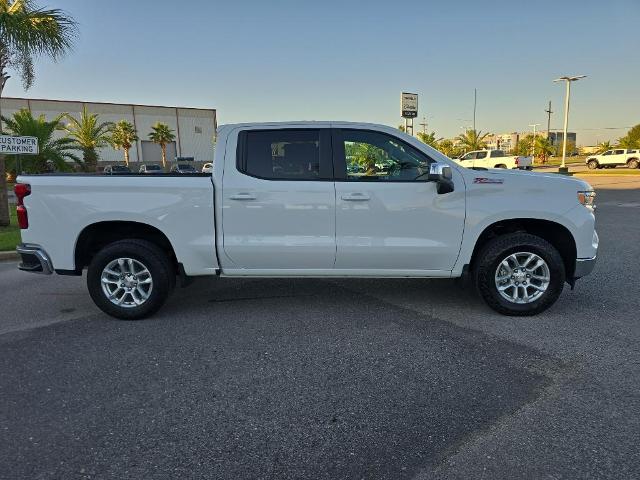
x=130 y=279
x=633 y=163
x=519 y=274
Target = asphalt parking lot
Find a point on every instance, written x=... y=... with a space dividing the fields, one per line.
x=328 y=379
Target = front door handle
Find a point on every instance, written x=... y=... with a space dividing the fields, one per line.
x=355 y=197
x=243 y=196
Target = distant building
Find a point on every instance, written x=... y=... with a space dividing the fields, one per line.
x=502 y=141
x=556 y=138
x=194 y=128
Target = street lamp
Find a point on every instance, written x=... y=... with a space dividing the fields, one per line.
x=533 y=143
x=567 y=80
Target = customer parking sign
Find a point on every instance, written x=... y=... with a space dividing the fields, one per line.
x=18 y=145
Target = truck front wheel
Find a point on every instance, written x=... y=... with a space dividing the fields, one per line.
x=593 y=164
x=633 y=163
x=130 y=279
x=519 y=274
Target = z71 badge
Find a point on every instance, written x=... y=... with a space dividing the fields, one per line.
x=488 y=180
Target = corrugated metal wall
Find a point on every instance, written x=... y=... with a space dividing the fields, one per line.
x=194 y=128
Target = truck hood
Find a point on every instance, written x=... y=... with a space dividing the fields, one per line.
x=526 y=177
x=520 y=192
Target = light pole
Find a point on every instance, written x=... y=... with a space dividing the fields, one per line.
x=533 y=143
x=567 y=80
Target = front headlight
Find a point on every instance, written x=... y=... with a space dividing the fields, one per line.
x=586 y=198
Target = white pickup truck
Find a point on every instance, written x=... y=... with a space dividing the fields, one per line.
x=494 y=159
x=613 y=158
x=311 y=199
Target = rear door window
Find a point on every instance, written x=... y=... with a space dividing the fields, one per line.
x=285 y=154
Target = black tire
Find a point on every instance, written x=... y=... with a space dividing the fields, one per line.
x=161 y=271
x=633 y=163
x=497 y=249
x=593 y=164
x=500 y=166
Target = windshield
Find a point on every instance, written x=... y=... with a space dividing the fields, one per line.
x=153 y=167
x=120 y=168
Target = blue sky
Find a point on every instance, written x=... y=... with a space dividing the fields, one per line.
x=349 y=60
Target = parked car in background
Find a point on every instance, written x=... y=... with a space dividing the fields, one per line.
x=183 y=168
x=207 y=168
x=116 y=170
x=151 y=168
x=286 y=202
x=614 y=157
x=494 y=159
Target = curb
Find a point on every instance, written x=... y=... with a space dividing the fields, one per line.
x=10 y=255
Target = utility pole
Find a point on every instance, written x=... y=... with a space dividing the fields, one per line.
x=533 y=143
x=475 y=102
x=549 y=112
x=424 y=124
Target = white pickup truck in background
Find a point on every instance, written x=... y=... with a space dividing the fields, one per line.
x=613 y=158
x=311 y=199
x=494 y=159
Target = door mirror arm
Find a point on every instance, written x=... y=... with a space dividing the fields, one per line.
x=442 y=174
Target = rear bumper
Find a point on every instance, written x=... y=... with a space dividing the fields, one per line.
x=34 y=259
x=584 y=266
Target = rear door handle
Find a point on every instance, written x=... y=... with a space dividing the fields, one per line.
x=355 y=197
x=243 y=196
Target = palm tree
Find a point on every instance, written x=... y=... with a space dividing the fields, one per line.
x=28 y=31
x=627 y=142
x=472 y=140
x=604 y=146
x=429 y=138
x=123 y=137
x=55 y=150
x=89 y=135
x=544 y=148
x=162 y=135
x=448 y=148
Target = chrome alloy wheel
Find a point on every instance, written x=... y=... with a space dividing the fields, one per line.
x=522 y=277
x=126 y=282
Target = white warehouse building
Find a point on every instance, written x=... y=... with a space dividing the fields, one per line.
x=194 y=128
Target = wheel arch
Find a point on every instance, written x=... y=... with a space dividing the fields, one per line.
x=96 y=236
x=555 y=233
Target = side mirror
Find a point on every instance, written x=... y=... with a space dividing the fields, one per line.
x=442 y=174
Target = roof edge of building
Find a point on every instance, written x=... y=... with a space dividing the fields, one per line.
x=108 y=103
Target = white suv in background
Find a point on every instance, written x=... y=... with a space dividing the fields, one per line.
x=613 y=158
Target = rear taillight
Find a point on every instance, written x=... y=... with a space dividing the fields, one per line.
x=517 y=161
x=22 y=190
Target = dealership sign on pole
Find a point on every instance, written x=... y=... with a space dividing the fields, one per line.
x=409 y=105
x=18 y=145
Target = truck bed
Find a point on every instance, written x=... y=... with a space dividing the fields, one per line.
x=180 y=206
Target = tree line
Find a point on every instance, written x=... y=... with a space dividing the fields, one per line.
x=629 y=141
x=82 y=139
x=472 y=140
